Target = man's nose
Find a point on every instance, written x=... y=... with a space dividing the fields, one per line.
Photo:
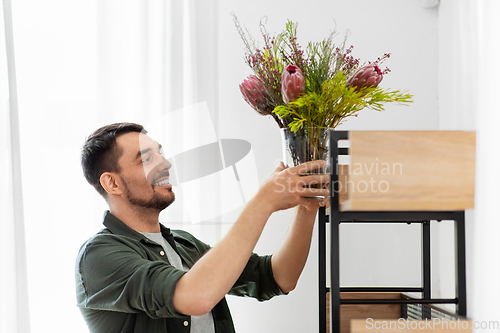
x=165 y=163
x=160 y=167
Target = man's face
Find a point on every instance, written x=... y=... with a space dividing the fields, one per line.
x=144 y=172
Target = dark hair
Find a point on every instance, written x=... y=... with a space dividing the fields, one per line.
x=100 y=152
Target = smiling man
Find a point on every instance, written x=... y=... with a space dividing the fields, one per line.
x=137 y=275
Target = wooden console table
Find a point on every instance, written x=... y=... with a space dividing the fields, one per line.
x=432 y=180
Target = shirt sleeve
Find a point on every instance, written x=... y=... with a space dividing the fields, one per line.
x=115 y=277
x=257 y=280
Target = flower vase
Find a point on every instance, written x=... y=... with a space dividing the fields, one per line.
x=304 y=145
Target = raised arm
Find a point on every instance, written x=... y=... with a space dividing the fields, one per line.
x=209 y=280
x=289 y=260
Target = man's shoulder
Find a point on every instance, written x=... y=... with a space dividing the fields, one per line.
x=104 y=235
x=106 y=238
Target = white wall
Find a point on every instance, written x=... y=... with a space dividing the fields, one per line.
x=370 y=255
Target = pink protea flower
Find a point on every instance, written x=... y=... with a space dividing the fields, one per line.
x=253 y=93
x=366 y=76
x=292 y=84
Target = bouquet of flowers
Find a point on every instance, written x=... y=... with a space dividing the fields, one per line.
x=317 y=87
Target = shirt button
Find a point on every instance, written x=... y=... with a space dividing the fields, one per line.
x=162 y=253
x=186 y=323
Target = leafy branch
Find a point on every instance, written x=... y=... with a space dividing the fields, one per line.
x=336 y=102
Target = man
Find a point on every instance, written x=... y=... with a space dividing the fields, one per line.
x=138 y=276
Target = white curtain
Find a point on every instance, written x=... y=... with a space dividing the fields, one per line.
x=82 y=65
x=468 y=90
x=14 y=309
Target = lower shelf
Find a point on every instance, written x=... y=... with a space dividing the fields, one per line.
x=353 y=317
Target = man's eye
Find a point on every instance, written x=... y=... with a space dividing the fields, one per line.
x=161 y=152
x=146 y=159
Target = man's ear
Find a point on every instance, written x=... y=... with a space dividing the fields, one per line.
x=111 y=183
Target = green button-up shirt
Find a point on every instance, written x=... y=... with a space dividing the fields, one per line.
x=125 y=283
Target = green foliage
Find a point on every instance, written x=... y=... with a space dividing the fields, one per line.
x=335 y=103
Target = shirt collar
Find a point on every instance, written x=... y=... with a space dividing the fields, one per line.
x=116 y=226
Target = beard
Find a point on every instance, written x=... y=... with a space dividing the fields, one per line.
x=157 y=201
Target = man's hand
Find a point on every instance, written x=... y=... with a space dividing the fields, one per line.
x=289 y=187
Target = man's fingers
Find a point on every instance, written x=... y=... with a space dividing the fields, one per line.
x=281 y=167
x=308 y=166
x=316 y=179
x=313 y=192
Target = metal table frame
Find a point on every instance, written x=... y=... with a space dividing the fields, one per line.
x=423 y=217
